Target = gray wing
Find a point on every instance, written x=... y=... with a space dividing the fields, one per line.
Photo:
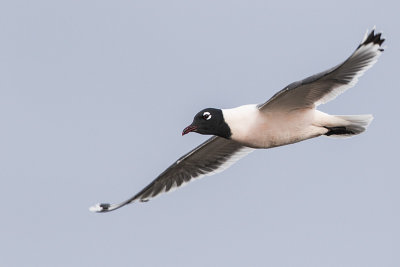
x=325 y=86
x=213 y=156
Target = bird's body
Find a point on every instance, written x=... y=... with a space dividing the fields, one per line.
x=288 y=117
x=257 y=129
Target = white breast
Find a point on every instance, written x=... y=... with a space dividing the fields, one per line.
x=257 y=129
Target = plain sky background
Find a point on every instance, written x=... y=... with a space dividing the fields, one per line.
x=94 y=96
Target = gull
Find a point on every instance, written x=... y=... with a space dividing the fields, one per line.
x=288 y=117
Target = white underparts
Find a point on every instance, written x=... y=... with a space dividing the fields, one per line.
x=257 y=129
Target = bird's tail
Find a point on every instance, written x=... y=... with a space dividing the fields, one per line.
x=348 y=125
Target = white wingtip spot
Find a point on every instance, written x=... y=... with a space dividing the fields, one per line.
x=96 y=208
x=365 y=36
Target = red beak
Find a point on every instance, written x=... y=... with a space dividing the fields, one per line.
x=190 y=128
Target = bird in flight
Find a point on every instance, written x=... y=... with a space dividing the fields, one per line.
x=288 y=117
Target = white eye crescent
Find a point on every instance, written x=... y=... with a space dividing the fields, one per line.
x=206 y=115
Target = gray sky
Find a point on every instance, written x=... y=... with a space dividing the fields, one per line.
x=94 y=96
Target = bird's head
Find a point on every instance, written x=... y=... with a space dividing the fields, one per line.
x=209 y=121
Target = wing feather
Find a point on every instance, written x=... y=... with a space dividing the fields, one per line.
x=213 y=156
x=325 y=86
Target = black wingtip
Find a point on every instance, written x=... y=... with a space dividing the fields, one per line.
x=103 y=207
x=374 y=38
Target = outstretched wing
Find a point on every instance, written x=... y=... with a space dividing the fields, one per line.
x=325 y=86
x=213 y=156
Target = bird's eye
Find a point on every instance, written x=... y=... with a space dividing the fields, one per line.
x=206 y=115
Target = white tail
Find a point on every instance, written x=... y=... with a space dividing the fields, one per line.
x=349 y=125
